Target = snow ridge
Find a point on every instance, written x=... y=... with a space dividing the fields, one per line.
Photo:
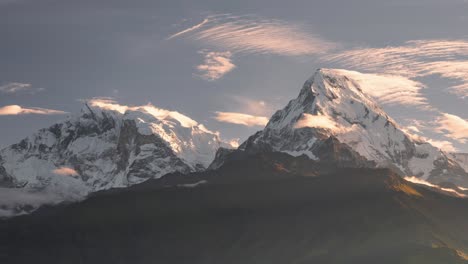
x=106 y=146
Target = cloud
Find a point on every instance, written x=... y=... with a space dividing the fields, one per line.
x=18 y=110
x=455 y=70
x=248 y=35
x=417 y=180
x=13 y=200
x=444 y=145
x=453 y=126
x=241 y=119
x=159 y=113
x=322 y=121
x=251 y=106
x=215 y=65
x=252 y=34
x=446 y=58
x=316 y=121
x=197 y=26
x=255 y=112
x=416 y=130
x=108 y=104
x=65 y=171
x=234 y=143
x=390 y=89
x=420 y=181
x=15 y=87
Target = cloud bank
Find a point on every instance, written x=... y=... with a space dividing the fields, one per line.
x=241 y=119
x=19 y=110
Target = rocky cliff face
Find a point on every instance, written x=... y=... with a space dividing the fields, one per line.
x=332 y=119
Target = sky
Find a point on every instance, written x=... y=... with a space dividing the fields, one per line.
x=231 y=64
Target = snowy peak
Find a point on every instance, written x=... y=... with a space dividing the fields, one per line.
x=189 y=140
x=107 y=145
x=336 y=87
x=332 y=104
x=329 y=96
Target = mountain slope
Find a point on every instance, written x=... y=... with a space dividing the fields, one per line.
x=462 y=159
x=106 y=146
x=260 y=208
x=332 y=116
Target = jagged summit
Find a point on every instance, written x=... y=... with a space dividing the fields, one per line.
x=191 y=141
x=331 y=105
x=333 y=90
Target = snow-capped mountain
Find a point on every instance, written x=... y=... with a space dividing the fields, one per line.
x=334 y=120
x=106 y=146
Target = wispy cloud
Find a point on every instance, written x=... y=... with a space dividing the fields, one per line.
x=15 y=87
x=108 y=104
x=14 y=199
x=245 y=111
x=65 y=171
x=227 y=35
x=444 y=145
x=252 y=34
x=159 y=113
x=197 y=26
x=323 y=122
x=250 y=106
x=241 y=119
x=419 y=131
x=215 y=65
x=316 y=121
x=420 y=181
x=446 y=58
x=390 y=89
x=234 y=143
x=454 y=70
x=19 y=110
x=453 y=127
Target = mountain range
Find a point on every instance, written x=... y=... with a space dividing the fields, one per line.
x=330 y=179
x=107 y=145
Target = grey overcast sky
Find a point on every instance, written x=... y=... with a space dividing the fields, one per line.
x=213 y=59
